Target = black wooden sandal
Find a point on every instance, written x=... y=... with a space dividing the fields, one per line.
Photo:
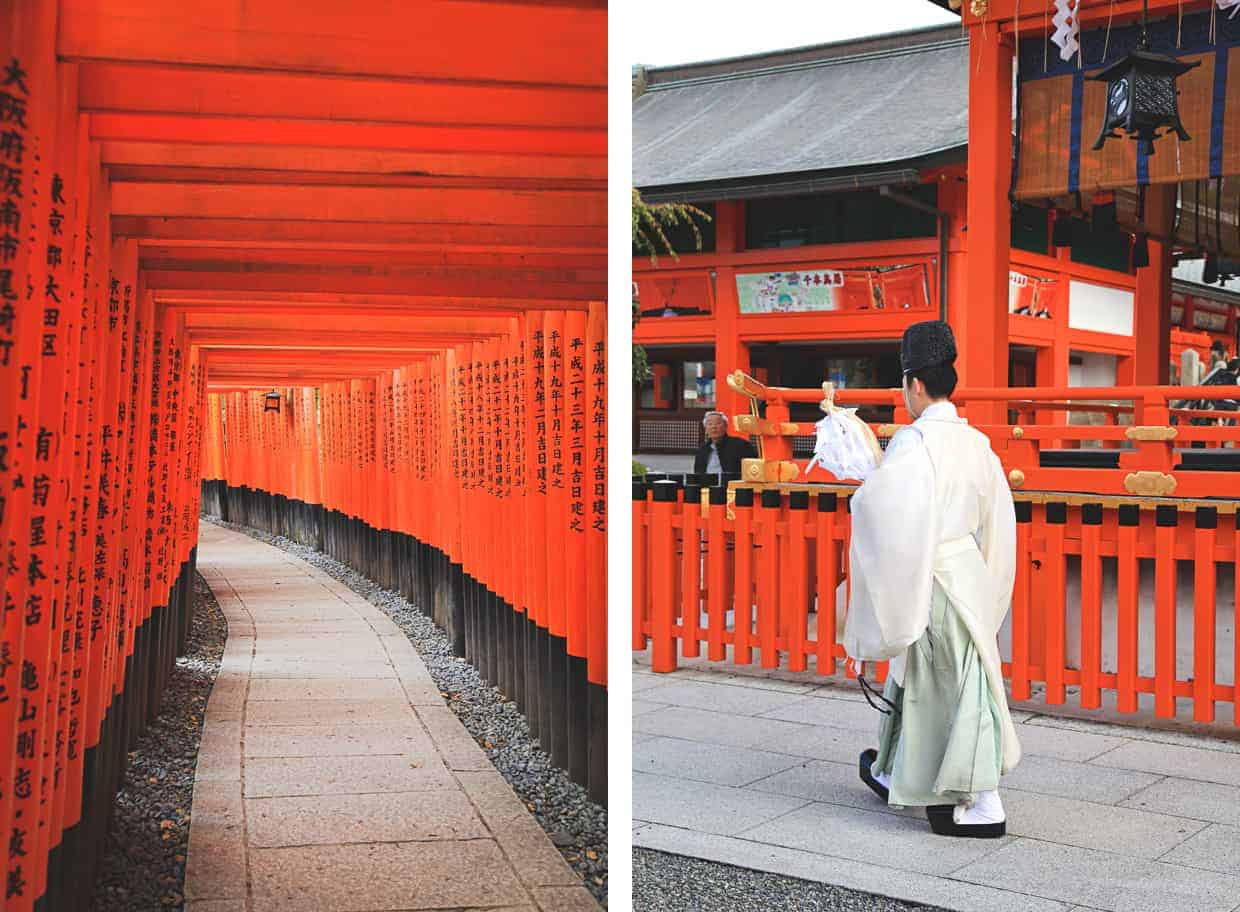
x=943 y=822
x=867 y=775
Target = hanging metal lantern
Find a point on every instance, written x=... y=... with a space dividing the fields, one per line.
x=1141 y=95
x=271 y=402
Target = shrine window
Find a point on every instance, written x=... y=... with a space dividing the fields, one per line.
x=838 y=218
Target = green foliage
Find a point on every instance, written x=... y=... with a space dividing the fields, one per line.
x=639 y=469
x=652 y=221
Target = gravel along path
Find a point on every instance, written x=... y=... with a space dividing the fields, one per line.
x=143 y=866
x=576 y=825
x=674 y=883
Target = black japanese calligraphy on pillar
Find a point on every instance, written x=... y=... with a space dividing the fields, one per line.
x=542 y=455
x=14 y=95
x=555 y=382
x=598 y=434
x=576 y=421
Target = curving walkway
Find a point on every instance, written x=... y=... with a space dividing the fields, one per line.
x=332 y=776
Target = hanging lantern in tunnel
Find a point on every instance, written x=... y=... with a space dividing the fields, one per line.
x=1141 y=95
x=271 y=402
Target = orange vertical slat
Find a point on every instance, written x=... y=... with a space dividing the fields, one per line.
x=1091 y=605
x=1165 y=519
x=826 y=575
x=1205 y=575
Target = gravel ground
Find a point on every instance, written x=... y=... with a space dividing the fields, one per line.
x=143 y=867
x=576 y=825
x=674 y=883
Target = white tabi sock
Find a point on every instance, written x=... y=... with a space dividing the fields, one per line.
x=884 y=779
x=986 y=809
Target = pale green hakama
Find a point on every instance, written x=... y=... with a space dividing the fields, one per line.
x=944 y=742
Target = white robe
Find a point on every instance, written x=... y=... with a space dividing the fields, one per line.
x=939 y=491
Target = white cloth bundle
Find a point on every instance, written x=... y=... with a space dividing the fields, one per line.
x=845 y=445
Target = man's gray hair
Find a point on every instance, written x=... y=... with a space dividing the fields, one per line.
x=712 y=414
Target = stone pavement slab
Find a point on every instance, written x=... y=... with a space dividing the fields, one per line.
x=1216 y=848
x=707 y=762
x=332 y=776
x=1103 y=880
x=762 y=773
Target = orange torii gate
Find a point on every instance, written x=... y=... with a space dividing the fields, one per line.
x=371 y=212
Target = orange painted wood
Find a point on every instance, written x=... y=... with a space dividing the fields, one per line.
x=689 y=565
x=153 y=88
x=520 y=140
x=368 y=204
x=642 y=615
x=1164 y=622
x=767 y=582
x=826 y=576
x=743 y=599
x=442 y=40
x=251 y=156
x=662 y=582
x=716 y=582
x=1091 y=616
x=794 y=587
x=1205 y=617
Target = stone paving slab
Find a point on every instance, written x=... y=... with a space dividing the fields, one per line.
x=1216 y=848
x=707 y=762
x=1103 y=880
x=332 y=776
x=1189 y=798
x=762 y=773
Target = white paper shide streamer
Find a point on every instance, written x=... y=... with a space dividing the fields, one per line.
x=1067 y=35
x=845 y=445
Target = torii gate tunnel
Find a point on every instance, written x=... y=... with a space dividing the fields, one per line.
x=345 y=264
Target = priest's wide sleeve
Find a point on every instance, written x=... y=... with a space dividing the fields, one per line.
x=998 y=539
x=894 y=533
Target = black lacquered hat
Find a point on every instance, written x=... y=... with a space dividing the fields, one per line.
x=927 y=344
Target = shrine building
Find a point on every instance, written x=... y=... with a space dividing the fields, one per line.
x=837 y=181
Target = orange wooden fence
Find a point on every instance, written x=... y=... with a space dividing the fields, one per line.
x=765 y=576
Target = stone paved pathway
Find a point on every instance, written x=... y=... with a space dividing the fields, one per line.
x=761 y=772
x=332 y=777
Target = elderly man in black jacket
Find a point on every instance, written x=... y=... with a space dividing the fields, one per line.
x=720 y=453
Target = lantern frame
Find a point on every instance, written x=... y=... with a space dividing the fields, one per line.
x=1142 y=95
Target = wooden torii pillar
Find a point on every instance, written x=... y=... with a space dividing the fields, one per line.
x=981 y=324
